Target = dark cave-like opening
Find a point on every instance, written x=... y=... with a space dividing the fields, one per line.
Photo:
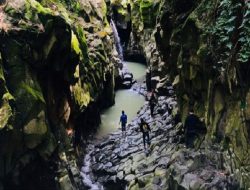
x=135 y=57
x=124 y=30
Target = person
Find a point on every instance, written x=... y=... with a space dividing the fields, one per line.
x=145 y=129
x=152 y=102
x=191 y=127
x=123 y=122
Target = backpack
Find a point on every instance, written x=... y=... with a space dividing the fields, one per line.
x=145 y=128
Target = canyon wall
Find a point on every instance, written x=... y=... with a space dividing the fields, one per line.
x=58 y=63
x=57 y=68
x=202 y=49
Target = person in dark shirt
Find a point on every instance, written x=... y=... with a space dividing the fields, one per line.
x=145 y=129
x=152 y=102
x=123 y=122
x=191 y=127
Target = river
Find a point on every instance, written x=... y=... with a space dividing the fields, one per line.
x=126 y=100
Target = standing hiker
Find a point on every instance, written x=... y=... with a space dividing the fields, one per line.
x=152 y=102
x=145 y=129
x=191 y=128
x=123 y=122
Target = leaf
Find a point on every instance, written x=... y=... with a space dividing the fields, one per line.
x=247 y=13
x=224 y=39
x=229 y=45
x=242 y=39
x=232 y=19
x=230 y=29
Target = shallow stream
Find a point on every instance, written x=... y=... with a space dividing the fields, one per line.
x=126 y=100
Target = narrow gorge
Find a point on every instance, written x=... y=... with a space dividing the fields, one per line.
x=69 y=67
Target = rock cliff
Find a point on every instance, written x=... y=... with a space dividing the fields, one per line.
x=57 y=65
x=202 y=48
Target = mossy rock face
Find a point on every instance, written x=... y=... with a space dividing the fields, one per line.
x=177 y=39
x=54 y=59
x=36 y=126
x=149 y=12
x=81 y=96
x=247 y=106
x=5 y=109
x=121 y=9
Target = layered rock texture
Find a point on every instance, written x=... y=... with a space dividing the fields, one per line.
x=202 y=48
x=56 y=70
x=123 y=163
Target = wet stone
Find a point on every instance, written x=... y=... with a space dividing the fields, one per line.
x=168 y=165
x=108 y=165
x=156 y=180
x=120 y=175
x=130 y=177
x=160 y=171
x=144 y=180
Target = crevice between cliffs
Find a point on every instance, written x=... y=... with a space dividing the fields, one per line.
x=121 y=163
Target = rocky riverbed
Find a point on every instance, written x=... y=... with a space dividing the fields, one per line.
x=121 y=163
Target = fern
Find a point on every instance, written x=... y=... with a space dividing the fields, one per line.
x=230 y=34
x=244 y=52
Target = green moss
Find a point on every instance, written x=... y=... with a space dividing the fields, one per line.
x=81 y=95
x=5 y=114
x=36 y=93
x=149 y=11
x=247 y=109
x=7 y=96
x=194 y=18
x=33 y=51
x=38 y=7
x=75 y=45
x=104 y=9
x=22 y=83
x=202 y=51
x=103 y=58
x=58 y=8
x=5 y=109
x=122 y=11
x=82 y=42
x=36 y=125
x=29 y=13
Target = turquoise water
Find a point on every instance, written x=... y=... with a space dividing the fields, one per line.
x=137 y=69
x=126 y=100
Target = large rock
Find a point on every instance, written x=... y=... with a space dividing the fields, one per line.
x=55 y=65
x=204 y=62
x=167 y=164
